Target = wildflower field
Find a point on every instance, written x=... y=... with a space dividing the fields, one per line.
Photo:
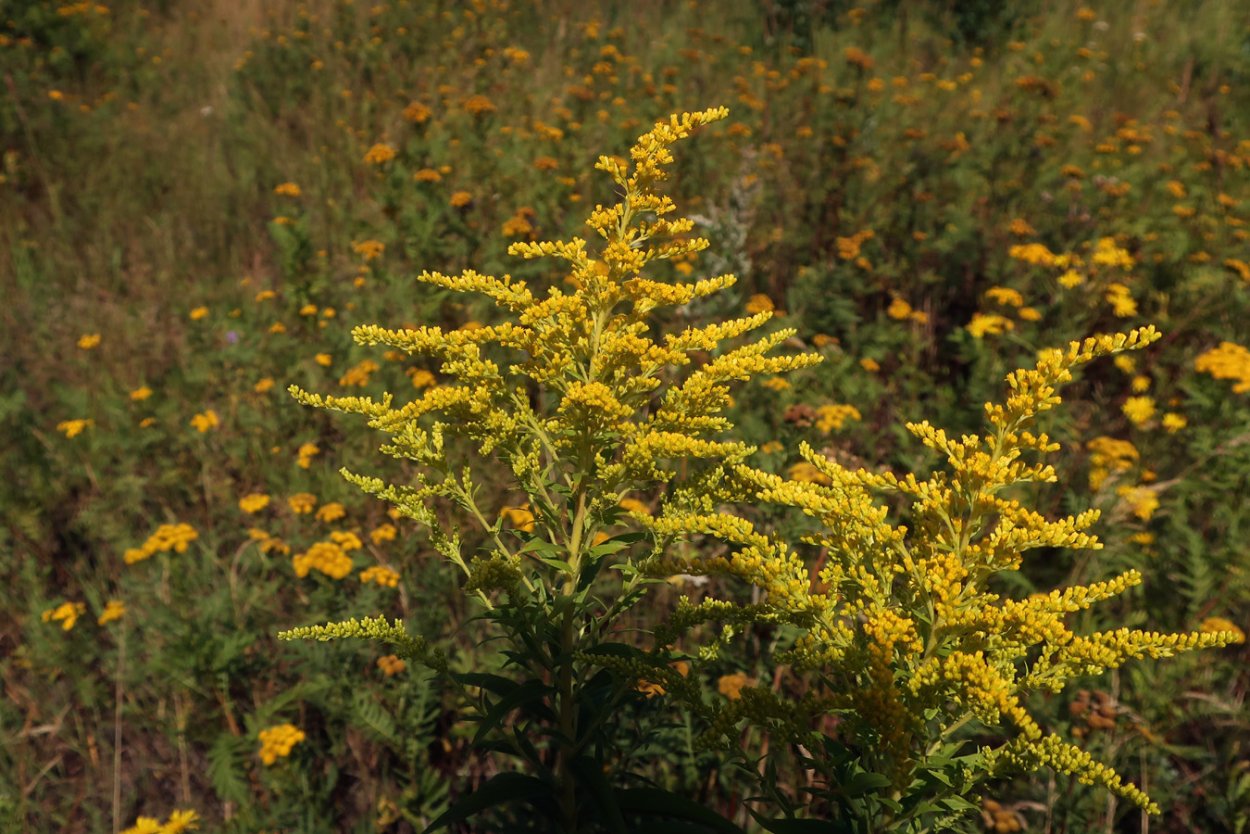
x=533 y=416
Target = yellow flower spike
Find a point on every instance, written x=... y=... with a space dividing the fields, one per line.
x=900 y=619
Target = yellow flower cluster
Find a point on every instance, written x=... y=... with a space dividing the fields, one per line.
x=73 y=428
x=391 y=665
x=305 y=454
x=900 y=622
x=832 y=417
x=67 y=614
x=114 y=609
x=327 y=557
x=332 y=511
x=302 y=503
x=205 y=421
x=1109 y=456
x=168 y=537
x=253 y=502
x=178 y=822
x=383 y=576
x=586 y=341
x=384 y=533
x=1228 y=361
x=380 y=153
x=276 y=742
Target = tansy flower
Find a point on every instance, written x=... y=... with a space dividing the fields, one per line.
x=141 y=393
x=422 y=378
x=1139 y=410
x=857 y=57
x=519 y=225
x=427 y=175
x=73 y=428
x=114 y=609
x=1005 y=296
x=89 y=341
x=519 y=517
x=347 y=540
x=302 y=502
x=1021 y=227
x=633 y=505
x=1228 y=361
x=167 y=537
x=369 y=249
x=416 y=112
x=759 y=303
x=384 y=533
x=287 y=189
x=331 y=512
x=383 y=576
x=899 y=309
x=308 y=310
x=263 y=386
x=391 y=665
x=276 y=742
x=833 y=417
x=1174 y=422
x=731 y=685
x=379 y=154
x=198 y=313
x=870 y=365
x=1121 y=300
x=326 y=557
x=993 y=325
x=650 y=689
x=253 y=502
x=359 y=374
x=323 y=359
x=205 y=421
x=460 y=199
x=477 y=105
x=67 y=614
x=1143 y=501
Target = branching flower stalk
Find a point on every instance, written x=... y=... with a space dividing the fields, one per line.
x=903 y=637
x=619 y=412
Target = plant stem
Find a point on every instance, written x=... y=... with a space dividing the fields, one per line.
x=568 y=700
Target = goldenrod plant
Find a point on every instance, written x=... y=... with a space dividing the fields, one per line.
x=591 y=413
x=905 y=634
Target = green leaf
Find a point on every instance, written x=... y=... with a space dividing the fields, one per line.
x=807 y=826
x=589 y=773
x=498 y=684
x=864 y=783
x=526 y=693
x=653 y=801
x=225 y=767
x=504 y=787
